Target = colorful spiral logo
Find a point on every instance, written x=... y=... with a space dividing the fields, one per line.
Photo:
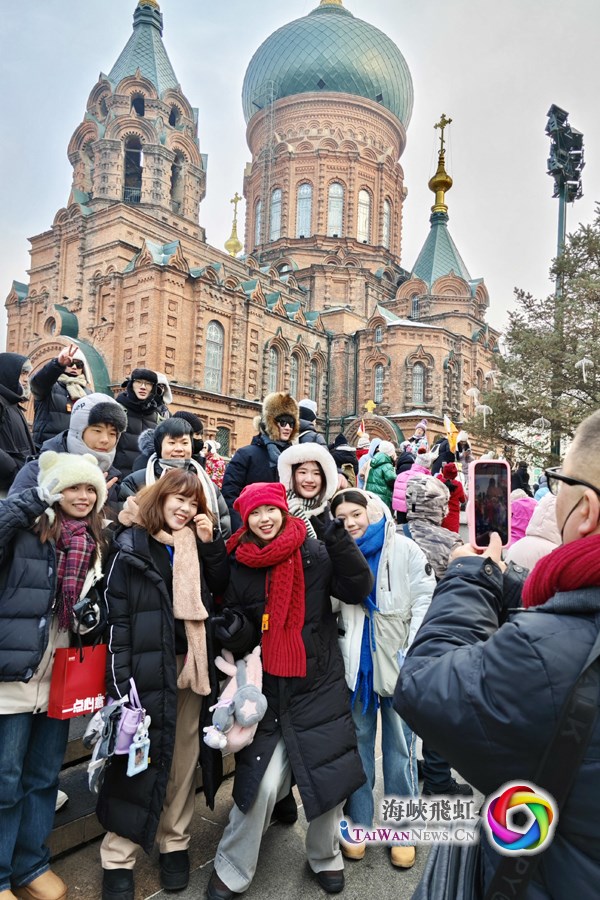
x=542 y=821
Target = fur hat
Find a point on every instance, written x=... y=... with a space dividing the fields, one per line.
x=449 y=470
x=58 y=471
x=261 y=493
x=426 y=498
x=141 y=375
x=310 y=452
x=388 y=448
x=96 y=409
x=308 y=410
x=195 y=421
x=279 y=403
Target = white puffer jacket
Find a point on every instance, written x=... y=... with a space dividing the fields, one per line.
x=405 y=583
x=541 y=536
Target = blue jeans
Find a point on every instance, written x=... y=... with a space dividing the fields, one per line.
x=399 y=777
x=32 y=751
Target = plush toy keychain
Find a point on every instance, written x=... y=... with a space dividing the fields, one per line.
x=241 y=705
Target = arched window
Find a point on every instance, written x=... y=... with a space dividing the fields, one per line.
x=414 y=306
x=273 y=375
x=418 y=384
x=223 y=437
x=335 y=210
x=177 y=183
x=174 y=116
x=378 y=387
x=138 y=104
x=379 y=334
x=213 y=370
x=275 y=226
x=294 y=371
x=304 y=210
x=134 y=166
x=387 y=224
x=314 y=381
x=364 y=217
x=258 y=223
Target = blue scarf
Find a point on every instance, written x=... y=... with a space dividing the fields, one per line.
x=370 y=545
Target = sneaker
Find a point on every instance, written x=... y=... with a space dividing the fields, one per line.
x=174 y=870
x=353 y=851
x=117 y=884
x=61 y=800
x=453 y=788
x=403 y=857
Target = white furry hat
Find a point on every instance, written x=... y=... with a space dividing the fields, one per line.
x=58 y=471
x=388 y=448
x=308 y=452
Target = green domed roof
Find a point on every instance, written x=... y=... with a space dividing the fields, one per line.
x=329 y=50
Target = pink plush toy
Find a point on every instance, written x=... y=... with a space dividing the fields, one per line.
x=241 y=705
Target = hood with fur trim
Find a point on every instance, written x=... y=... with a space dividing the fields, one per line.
x=278 y=403
x=309 y=452
x=146 y=442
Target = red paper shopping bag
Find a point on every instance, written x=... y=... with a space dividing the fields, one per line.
x=77 y=684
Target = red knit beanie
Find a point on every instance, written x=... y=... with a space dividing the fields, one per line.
x=449 y=470
x=261 y=493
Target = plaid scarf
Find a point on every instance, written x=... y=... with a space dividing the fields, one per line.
x=74 y=550
x=283 y=649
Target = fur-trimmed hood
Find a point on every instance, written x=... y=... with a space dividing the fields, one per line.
x=277 y=404
x=309 y=452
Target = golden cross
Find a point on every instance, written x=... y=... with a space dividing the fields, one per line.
x=442 y=124
x=235 y=200
x=370 y=406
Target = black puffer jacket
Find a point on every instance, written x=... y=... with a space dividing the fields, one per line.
x=312 y=714
x=487 y=696
x=141 y=414
x=248 y=465
x=53 y=405
x=16 y=444
x=142 y=646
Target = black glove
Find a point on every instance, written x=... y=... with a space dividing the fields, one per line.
x=319 y=528
x=227 y=625
x=334 y=532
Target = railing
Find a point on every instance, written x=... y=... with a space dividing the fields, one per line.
x=132 y=195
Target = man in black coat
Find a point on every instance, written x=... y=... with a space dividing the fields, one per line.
x=16 y=444
x=519 y=479
x=141 y=400
x=308 y=429
x=56 y=387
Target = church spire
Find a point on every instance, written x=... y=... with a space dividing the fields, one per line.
x=145 y=50
x=233 y=245
x=441 y=182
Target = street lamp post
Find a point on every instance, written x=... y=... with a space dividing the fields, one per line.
x=565 y=165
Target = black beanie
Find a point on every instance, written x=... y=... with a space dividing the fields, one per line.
x=195 y=422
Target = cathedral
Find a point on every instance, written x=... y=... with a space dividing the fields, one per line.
x=318 y=301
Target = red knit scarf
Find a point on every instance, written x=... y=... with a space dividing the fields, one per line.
x=75 y=547
x=283 y=651
x=569 y=567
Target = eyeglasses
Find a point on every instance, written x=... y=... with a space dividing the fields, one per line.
x=143 y=383
x=555 y=478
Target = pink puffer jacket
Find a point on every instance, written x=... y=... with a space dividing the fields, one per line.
x=399 y=495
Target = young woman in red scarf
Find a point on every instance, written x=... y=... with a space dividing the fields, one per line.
x=280 y=595
x=50 y=556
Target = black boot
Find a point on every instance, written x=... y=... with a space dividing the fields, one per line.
x=174 y=870
x=117 y=884
x=218 y=890
x=286 y=810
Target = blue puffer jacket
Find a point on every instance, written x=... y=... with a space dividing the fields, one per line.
x=485 y=690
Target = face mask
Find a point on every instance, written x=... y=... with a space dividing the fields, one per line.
x=197 y=445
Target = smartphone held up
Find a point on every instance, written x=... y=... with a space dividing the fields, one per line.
x=488 y=509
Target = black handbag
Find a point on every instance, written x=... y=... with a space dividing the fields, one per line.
x=453 y=871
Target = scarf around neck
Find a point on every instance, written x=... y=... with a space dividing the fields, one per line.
x=75 y=386
x=188 y=606
x=567 y=568
x=75 y=547
x=283 y=649
x=303 y=508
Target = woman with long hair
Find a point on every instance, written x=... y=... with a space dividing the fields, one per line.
x=158 y=588
x=51 y=547
x=309 y=473
x=280 y=595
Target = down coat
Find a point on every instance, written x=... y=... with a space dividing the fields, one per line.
x=142 y=646
x=53 y=403
x=485 y=688
x=16 y=443
x=382 y=477
x=399 y=494
x=141 y=414
x=311 y=714
x=541 y=537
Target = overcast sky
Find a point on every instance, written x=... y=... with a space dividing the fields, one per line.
x=494 y=68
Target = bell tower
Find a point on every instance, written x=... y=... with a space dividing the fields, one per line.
x=138 y=142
